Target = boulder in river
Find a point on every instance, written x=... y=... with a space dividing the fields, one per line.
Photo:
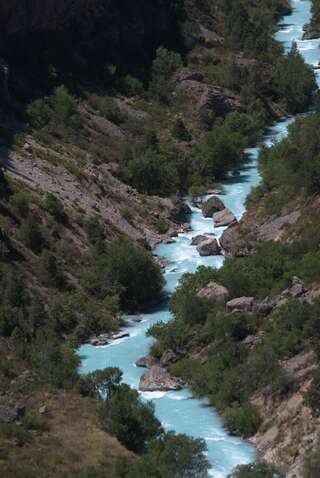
x=209 y=247
x=158 y=379
x=197 y=239
x=120 y=335
x=224 y=218
x=214 y=291
x=211 y=206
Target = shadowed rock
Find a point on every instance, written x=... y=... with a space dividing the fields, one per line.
x=211 y=206
x=209 y=247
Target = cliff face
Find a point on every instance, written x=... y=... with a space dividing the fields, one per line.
x=82 y=32
x=17 y=16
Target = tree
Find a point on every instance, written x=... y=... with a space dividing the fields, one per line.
x=295 y=81
x=32 y=235
x=163 y=67
x=129 y=419
x=129 y=270
x=179 y=456
x=56 y=208
x=180 y=132
x=104 y=382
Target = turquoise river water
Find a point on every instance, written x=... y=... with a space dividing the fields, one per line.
x=178 y=411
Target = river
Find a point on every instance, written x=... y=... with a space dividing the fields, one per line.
x=178 y=411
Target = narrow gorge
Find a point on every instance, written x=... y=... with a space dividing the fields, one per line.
x=177 y=410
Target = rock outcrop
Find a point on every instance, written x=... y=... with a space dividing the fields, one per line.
x=147 y=362
x=235 y=244
x=224 y=218
x=204 y=97
x=208 y=38
x=169 y=357
x=211 y=206
x=311 y=32
x=241 y=303
x=158 y=379
x=209 y=247
x=214 y=291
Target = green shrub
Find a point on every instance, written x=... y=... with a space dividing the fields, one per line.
x=56 y=208
x=128 y=418
x=244 y=420
x=21 y=200
x=180 y=132
x=34 y=422
x=126 y=269
x=132 y=86
x=312 y=465
x=94 y=230
x=164 y=65
x=162 y=226
x=126 y=213
x=31 y=235
x=295 y=81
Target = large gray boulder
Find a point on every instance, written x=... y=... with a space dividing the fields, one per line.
x=196 y=240
x=209 y=247
x=214 y=291
x=224 y=218
x=158 y=379
x=241 y=303
x=211 y=206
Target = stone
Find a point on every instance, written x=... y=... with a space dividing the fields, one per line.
x=186 y=227
x=253 y=340
x=265 y=306
x=169 y=357
x=214 y=291
x=241 y=303
x=158 y=379
x=147 y=362
x=186 y=74
x=224 y=218
x=211 y=206
x=209 y=247
x=99 y=341
x=311 y=32
x=43 y=410
x=209 y=38
x=120 y=335
x=196 y=240
x=233 y=244
x=11 y=414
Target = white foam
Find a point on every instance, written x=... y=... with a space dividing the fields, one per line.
x=153 y=395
